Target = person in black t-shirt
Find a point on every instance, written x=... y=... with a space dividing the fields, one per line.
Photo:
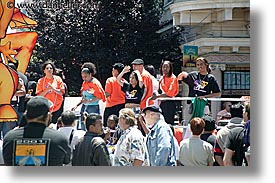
x=201 y=83
x=134 y=90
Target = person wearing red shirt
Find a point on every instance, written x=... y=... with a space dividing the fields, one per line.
x=138 y=64
x=115 y=96
x=91 y=90
x=51 y=87
x=169 y=88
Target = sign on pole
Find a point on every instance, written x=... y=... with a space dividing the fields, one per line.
x=190 y=53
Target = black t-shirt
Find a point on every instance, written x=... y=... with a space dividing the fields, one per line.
x=235 y=142
x=132 y=95
x=200 y=85
x=59 y=149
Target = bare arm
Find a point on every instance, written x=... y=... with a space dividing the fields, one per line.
x=212 y=95
x=219 y=160
x=119 y=77
x=182 y=75
x=227 y=159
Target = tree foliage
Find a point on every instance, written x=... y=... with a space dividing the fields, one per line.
x=103 y=32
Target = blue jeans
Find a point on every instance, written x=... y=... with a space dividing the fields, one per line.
x=88 y=109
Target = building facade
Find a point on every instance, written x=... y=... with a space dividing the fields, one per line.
x=221 y=31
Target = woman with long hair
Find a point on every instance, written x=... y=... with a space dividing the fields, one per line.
x=134 y=89
x=51 y=87
x=168 y=88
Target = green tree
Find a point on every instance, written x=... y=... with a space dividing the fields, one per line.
x=103 y=32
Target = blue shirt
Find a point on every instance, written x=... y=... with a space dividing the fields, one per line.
x=160 y=145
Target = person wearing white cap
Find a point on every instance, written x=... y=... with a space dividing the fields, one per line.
x=160 y=139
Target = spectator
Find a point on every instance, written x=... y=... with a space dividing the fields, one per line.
x=160 y=139
x=91 y=90
x=38 y=116
x=235 y=121
x=208 y=134
x=92 y=150
x=169 y=88
x=201 y=84
x=68 y=128
x=134 y=90
x=225 y=113
x=138 y=64
x=52 y=87
x=194 y=151
x=115 y=131
x=131 y=147
x=238 y=143
x=115 y=96
x=151 y=69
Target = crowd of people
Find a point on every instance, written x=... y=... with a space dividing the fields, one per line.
x=136 y=129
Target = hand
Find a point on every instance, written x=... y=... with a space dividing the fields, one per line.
x=154 y=96
x=200 y=97
x=126 y=69
x=182 y=75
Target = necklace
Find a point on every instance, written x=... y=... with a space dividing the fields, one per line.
x=203 y=77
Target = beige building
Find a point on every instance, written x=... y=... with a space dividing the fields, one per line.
x=221 y=31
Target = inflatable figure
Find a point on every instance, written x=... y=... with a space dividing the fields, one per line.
x=16 y=45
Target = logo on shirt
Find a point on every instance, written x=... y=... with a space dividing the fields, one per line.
x=200 y=85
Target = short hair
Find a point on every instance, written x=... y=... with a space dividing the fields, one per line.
x=89 y=68
x=236 y=110
x=151 y=69
x=118 y=66
x=91 y=120
x=113 y=117
x=129 y=115
x=46 y=63
x=197 y=125
x=225 y=104
x=68 y=117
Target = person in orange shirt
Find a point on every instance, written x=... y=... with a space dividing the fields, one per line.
x=91 y=90
x=51 y=87
x=169 y=88
x=115 y=96
x=138 y=64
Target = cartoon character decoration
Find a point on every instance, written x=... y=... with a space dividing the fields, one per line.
x=15 y=47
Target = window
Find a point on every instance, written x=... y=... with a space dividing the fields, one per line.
x=236 y=80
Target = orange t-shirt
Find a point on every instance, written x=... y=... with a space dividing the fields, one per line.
x=148 y=83
x=170 y=85
x=57 y=83
x=117 y=96
x=96 y=86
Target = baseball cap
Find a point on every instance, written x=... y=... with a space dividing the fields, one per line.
x=152 y=108
x=138 y=61
x=210 y=123
x=37 y=106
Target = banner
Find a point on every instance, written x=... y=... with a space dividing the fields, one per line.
x=190 y=54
